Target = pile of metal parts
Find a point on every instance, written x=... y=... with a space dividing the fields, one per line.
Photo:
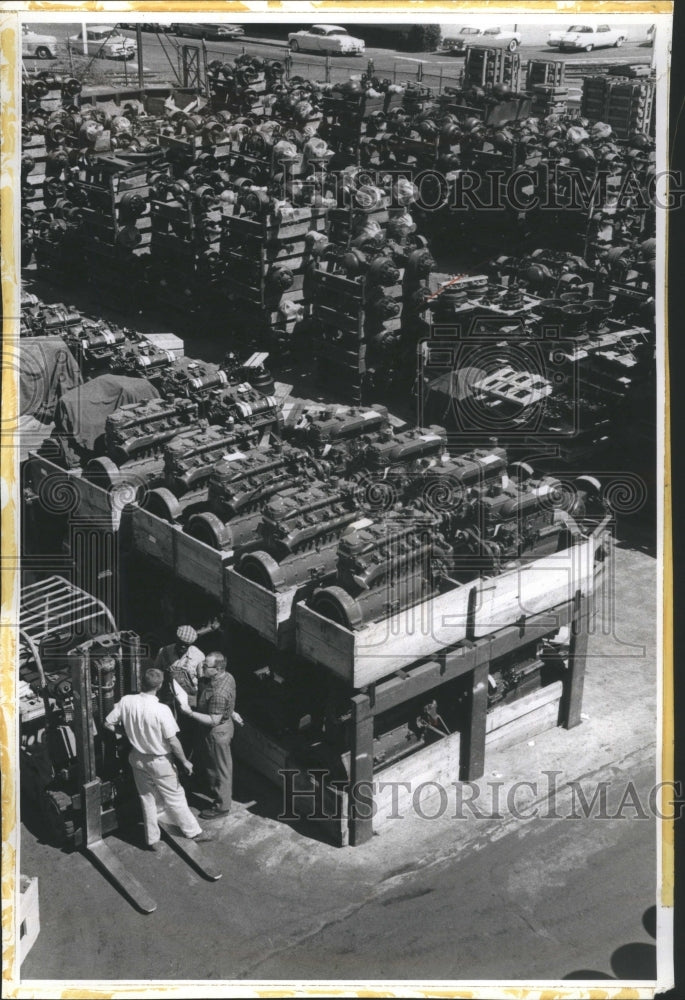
x=252 y=202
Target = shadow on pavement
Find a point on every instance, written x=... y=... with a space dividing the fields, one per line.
x=631 y=962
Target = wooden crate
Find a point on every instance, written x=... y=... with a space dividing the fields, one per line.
x=435 y=766
x=268 y=612
x=260 y=751
x=472 y=610
x=186 y=557
x=526 y=717
x=29 y=915
x=86 y=500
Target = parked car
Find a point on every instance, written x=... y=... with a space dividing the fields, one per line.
x=326 y=38
x=456 y=46
x=143 y=25
x=586 y=37
x=212 y=32
x=37 y=46
x=104 y=42
x=509 y=39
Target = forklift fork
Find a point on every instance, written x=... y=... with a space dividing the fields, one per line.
x=89 y=782
x=127 y=682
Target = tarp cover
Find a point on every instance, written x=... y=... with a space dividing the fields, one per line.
x=47 y=370
x=81 y=413
x=444 y=393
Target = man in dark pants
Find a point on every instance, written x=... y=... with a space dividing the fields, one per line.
x=216 y=714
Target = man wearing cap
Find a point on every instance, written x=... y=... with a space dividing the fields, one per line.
x=152 y=733
x=216 y=715
x=182 y=660
x=181 y=663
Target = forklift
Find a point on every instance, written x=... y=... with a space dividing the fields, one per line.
x=74 y=665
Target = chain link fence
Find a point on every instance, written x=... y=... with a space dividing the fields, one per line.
x=330 y=69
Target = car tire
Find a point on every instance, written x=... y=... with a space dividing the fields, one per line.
x=618 y=43
x=43 y=52
x=588 y=48
x=294 y=45
x=513 y=45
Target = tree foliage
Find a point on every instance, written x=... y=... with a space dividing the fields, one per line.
x=424 y=38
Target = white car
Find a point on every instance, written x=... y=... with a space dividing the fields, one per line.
x=326 y=38
x=466 y=36
x=104 y=42
x=509 y=39
x=36 y=46
x=586 y=37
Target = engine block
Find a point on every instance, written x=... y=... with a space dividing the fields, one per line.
x=298 y=535
x=384 y=567
x=238 y=488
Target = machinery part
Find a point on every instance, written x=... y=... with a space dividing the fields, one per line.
x=405 y=448
x=337 y=605
x=382 y=568
x=162 y=503
x=72 y=87
x=211 y=530
x=190 y=456
x=137 y=430
x=103 y=471
x=56 y=811
x=520 y=472
x=132 y=205
x=263 y=569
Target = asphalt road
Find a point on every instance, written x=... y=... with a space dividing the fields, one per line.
x=161 y=55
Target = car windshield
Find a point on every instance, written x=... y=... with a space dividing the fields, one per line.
x=581 y=28
x=492 y=31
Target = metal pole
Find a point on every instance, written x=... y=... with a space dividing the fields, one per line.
x=71 y=57
x=84 y=37
x=141 y=75
x=327 y=73
x=126 y=72
x=203 y=85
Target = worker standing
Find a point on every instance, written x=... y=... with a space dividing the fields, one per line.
x=181 y=662
x=182 y=659
x=215 y=715
x=151 y=731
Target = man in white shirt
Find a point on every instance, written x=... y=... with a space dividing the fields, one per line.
x=152 y=732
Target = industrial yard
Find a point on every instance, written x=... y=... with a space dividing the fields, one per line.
x=346 y=361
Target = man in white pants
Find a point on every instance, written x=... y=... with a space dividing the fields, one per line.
x=151 y=730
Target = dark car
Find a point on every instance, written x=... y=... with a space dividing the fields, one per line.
x=143 y=25
x=215 y=32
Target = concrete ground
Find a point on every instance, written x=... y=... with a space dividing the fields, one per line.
x=498 y=897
